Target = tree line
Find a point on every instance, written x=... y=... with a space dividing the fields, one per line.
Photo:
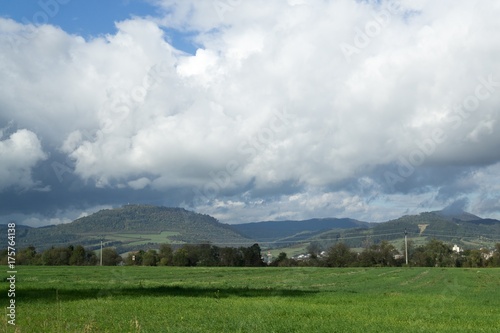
x=186 y=255
x=198 y=255
x=63 y=256
x=433 y=254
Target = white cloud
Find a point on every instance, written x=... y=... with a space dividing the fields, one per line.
x=40 y=221
x=19 y=154
x=140 y=183
x=130 y=110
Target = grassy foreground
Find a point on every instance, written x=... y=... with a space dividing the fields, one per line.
x=173 y=299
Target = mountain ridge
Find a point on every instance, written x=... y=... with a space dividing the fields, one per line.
x=275 y=230
x=131 y=226
x=134 y=225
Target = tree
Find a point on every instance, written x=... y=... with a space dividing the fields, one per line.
x=180 y=257
x=435 y=253
x=77 y=256
x=340 y=255
x=421 y=258
x=192 y=254
x=283 y=261
x=110 y=257
x=252 y=256
x=165 y=255
x=150 y=258
x=57 y=256
x=494 y=261
x=379 y=255
x=90 y=258
x=474 y=258
x=208 y=255
x=231 y=257
x=441 y=253
x=28 y=256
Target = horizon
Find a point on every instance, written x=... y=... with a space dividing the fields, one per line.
x=445 y=209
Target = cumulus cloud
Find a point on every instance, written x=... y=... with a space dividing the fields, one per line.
x=19 y=154
x=320 y=107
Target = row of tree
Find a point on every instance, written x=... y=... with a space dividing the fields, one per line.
x=61 y=256
x=198 y=255
x=187 y=255
x=433 y=254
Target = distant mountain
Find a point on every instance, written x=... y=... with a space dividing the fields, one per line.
x=458 y=227
x=143 y=226
x=272 y=231
x=133 y=226
x=459 y=215
x=463 y=229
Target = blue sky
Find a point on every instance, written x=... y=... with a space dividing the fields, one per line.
x=89 y=18
x=290 y=109
x=82 y=17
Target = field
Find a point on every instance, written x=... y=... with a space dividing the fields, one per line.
x=173 y=299
x=139 y=239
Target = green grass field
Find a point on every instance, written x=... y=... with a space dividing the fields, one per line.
x=139 y=239
x=173 y=299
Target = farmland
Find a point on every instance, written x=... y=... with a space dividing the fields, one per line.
x=139 y=239
x=303 y=299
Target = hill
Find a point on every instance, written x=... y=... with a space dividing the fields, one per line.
x=463 y=229
x=293 y=231
x=132 y=226
x=143 y=226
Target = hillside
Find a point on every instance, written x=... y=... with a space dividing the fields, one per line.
x=463 y=229
x=134 y=225
x=143 y=226
x=292 y=231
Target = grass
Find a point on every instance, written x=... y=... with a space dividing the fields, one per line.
x=173 y=299
x=139 y=239
x=300 y=248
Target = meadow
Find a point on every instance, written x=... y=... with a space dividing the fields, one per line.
x=303 y=299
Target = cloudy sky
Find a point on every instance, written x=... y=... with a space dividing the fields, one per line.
x=249 y=110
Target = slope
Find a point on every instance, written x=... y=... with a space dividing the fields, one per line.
x=134 y=225
x=464 y=229
x=278 y=231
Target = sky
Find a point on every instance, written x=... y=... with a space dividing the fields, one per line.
x=249 y=110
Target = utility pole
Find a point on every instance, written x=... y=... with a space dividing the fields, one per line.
x=101 y=253
x=406 y=247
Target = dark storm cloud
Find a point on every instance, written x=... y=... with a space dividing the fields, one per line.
x=457 y=206
x=67 y=191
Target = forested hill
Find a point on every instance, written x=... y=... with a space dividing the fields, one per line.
x=269 y=231
x=143 y=218
x=143 y=226
x=132 y=226
x=463 y=229
x=454 y=228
